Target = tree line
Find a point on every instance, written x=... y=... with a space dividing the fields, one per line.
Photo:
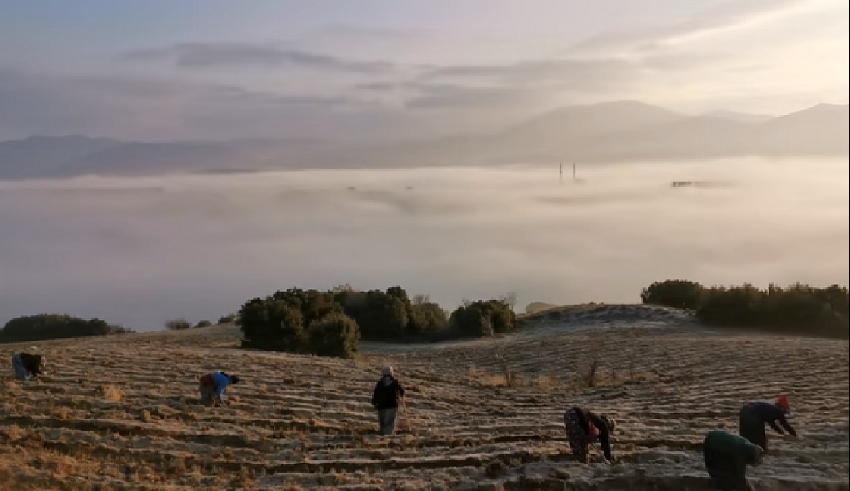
x=798 y=308
x=333 y=322
x=52 y=326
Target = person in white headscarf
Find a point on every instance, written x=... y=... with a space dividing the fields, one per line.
x=385 y=399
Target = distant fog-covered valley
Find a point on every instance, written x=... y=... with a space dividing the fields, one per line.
x=141 y=250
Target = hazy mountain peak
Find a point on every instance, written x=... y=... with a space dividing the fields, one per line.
x=738 y=116
x=608 y=131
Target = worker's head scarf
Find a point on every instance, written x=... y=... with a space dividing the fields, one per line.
x=782 y=403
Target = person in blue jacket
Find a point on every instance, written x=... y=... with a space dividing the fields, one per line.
x=27 y=366
x=213 y=385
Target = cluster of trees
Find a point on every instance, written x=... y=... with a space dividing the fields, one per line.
x=332 y=322
x=483 y=318
x=181 y=324
x=299 y=321
x=391 y=315
x=798 y=308
x=52 y=326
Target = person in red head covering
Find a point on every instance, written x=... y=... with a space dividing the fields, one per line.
x=754 y=415
x=782 y=402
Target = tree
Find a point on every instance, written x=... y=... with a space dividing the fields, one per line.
x=509 y=299
x=54 y=326
x=427 y=318
x=482 y=318
x=335 y=334
x=420 y=298
x=178 y=324
x=272 y=324
x=681 y=294
x=380 y=315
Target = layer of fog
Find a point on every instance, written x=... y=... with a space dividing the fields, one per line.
x=138 y=251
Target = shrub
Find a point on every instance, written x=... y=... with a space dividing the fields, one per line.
x=178 y=324
x=272 y=324
x=798 y=308
x=335 y=334
x=53 y=326
x=313 y=304
x=681 y=294
x=469 y=321
x=380 y=315
x=203 y=323
x=837 y=297
x=281 y=321
x=427 y=318
x=482 y=318
x=226 y=319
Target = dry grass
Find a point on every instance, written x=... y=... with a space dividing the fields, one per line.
x=14 y=433
x=475 y=410
x=111 y=393
x=505 y=378
x=547 y=383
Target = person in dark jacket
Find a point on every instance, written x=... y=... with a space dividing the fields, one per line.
x=726 y=459
x=754 y=415
x=213 y=385
x=388 y=392
x=583 y=428
x=27 y=366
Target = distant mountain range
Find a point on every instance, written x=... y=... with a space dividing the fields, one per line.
x=612 y=131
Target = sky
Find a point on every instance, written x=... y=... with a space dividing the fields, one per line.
x=377 y=70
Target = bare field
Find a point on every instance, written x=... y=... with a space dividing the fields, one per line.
x=121 y=412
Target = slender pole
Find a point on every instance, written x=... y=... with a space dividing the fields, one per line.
x=574 y=171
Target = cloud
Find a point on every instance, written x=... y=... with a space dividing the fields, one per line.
x=726 y=15
x=199 y=55
x=432 y=96
x=160 y=109
x=127 y=249
x=495 y=86
x=568 y=73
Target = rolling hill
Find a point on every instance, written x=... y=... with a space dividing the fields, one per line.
x=123 y=413
x=605 y=132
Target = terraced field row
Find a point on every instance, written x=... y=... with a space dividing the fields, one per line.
x=122 y=412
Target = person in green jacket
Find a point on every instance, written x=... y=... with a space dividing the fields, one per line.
x=726 y=459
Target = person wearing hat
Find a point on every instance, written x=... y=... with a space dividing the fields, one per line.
x=585 y=427
x=726 y=459
x=213 y=385
x=385 y=398
x=754 y=415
